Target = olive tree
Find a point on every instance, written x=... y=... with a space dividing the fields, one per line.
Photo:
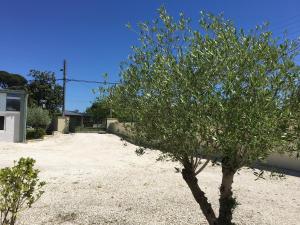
x=38 y=117
x=214 y=93
x=20 y=187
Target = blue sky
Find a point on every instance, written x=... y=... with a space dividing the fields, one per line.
x=92 y=36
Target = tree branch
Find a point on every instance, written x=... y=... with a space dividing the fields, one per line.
x=189 y=176
x=202 y=167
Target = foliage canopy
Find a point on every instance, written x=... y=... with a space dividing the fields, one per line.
x=44 y=91
x=216 y=92
x=12 y=81
x=98 y=111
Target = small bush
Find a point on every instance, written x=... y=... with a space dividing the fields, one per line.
x=19 y=188
x=37 y=133
x=30 y=134
x=38 y=117
x=40 y=133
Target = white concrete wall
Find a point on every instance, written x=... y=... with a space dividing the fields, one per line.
x=11 y=130
x=2 y=102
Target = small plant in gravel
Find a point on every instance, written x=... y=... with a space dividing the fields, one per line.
x=216 y=93
x=19 y=188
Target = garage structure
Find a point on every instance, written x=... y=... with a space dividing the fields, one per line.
x=70 y=121
x=13 y=113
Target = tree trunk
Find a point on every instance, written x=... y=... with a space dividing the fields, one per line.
x=190 y=178
x=227 y=202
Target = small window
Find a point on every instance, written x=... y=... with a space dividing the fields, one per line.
x=1 y=122
x=13 y=104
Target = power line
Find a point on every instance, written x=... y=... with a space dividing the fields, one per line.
x=290 y=25
x=76 y=80
x=92 y=81
x=84 y=81
x=279 y=24
x=283 y=20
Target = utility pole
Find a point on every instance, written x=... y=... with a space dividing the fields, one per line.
x=64 y=87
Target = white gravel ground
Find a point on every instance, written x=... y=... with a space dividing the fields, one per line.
x=95 y=179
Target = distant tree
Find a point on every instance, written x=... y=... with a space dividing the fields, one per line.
x=98 y=111
x=12 y=81
x=216 y=94
x=44 y=91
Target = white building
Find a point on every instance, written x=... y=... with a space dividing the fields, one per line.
x=13 y=110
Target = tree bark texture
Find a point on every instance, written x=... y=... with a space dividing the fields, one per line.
x=227 y=202
x=190 y=178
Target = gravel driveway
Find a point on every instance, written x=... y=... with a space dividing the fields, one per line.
x=96 y=179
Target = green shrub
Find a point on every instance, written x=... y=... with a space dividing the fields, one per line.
x=37 y=133
x=38 y=117
x=30 y=134
x=40 y=133
x=19 y=188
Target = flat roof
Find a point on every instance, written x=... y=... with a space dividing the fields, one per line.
x=73 y=113
x=13 y=91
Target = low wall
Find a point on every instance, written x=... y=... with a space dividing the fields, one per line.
x=62 y=124
x=118 y=129
x=274 y=160
x=284 y=161
x=111 y=120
